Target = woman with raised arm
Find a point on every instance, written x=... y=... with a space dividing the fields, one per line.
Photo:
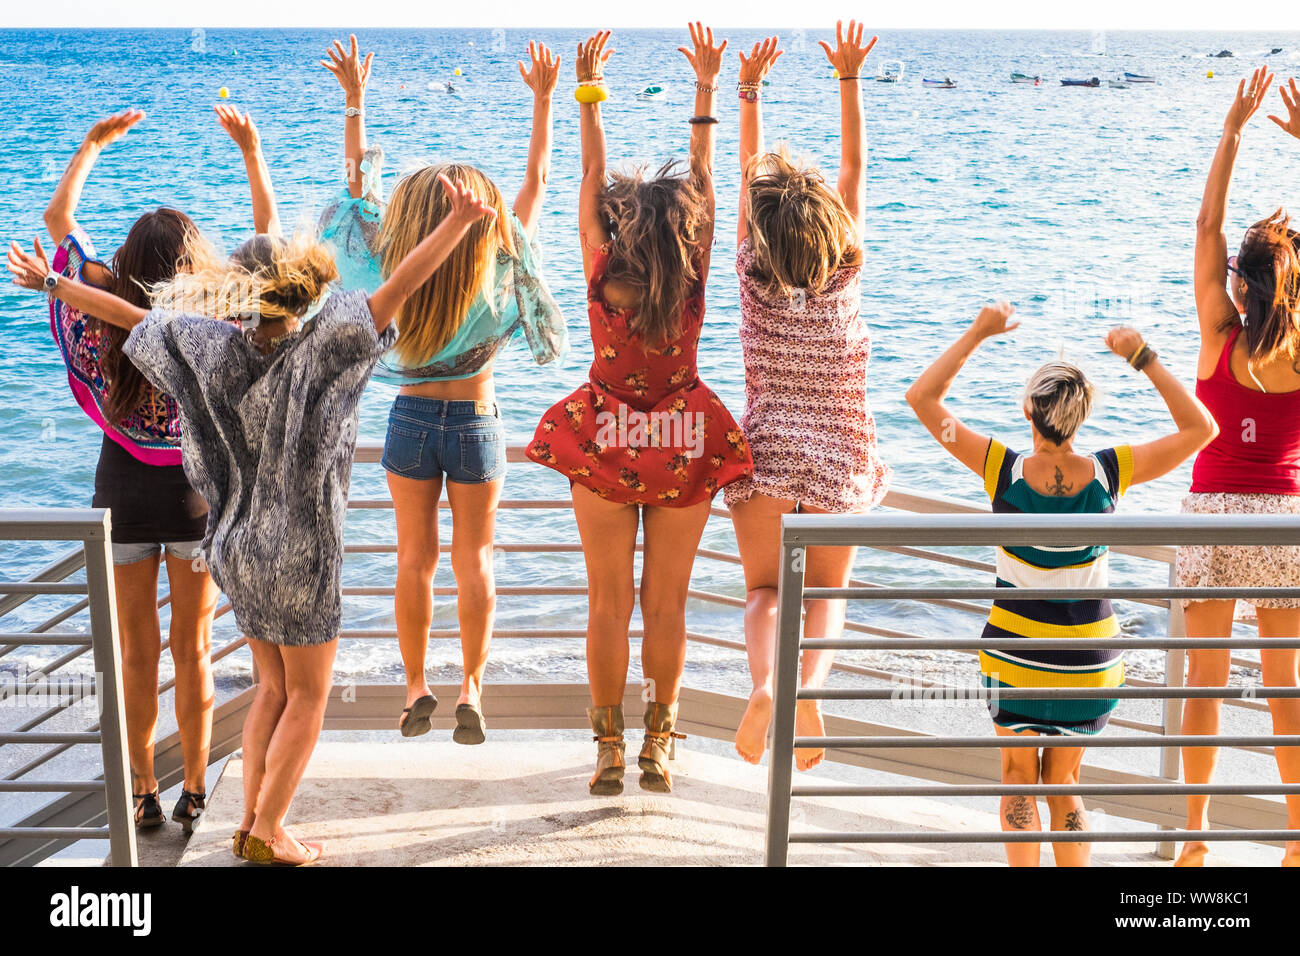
x=445 y=426
x=269 y=420
x=806 y=346
x=1053 y=479
x=1248 y=375
x=157 y=516
x=644 y=440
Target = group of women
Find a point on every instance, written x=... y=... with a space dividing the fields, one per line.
x=227 y=389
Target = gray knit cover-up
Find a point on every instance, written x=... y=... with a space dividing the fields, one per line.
x=268 y=441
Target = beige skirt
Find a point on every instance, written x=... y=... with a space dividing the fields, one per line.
x=1240 y=566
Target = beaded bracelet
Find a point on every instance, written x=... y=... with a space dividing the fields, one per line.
x=701 y=88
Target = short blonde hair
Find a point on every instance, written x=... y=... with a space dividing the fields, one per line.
x=1058 y=400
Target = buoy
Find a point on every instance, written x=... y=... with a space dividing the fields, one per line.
x=403 y=86
x=223 y=93
x=1209 y=74
x=457 y=71
x=835 y=73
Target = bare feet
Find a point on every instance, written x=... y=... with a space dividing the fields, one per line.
x=1193 y=854
x=808 y=723
x=751 y=735
x=471 y=692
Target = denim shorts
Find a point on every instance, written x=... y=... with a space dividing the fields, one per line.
x=428 y=438
x=131 y=553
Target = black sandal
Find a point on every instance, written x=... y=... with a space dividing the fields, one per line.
x=416 y=722
x=188 y=809
x=148 y=811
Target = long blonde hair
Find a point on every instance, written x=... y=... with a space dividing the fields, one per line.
x=433 y=314
x=267 y=277
x=800 y=230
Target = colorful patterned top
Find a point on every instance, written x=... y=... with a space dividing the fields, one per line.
x=150 y=434
x=807 y=418
x=521 y=301
x=1036 y=664
x=644 y=430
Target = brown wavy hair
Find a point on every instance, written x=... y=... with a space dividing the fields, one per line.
x=1268 y=266
x=153 y=252
x=800 y=230
x=654 y=224
x=433 y=314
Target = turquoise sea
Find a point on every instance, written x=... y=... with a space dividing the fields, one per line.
x=1077 y=204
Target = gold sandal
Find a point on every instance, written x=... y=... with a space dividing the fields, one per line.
x=263 y=851
x=659 y=747
x=238 y=842
x=607 y=725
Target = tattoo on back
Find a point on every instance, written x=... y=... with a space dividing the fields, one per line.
x=1060 y=488
x=1020 y=812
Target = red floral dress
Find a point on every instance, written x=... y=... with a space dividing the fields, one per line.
x=644 y=430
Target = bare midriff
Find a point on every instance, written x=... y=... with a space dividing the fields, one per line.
x=479 y=388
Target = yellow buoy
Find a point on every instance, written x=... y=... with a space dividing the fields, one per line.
x=1209 y=75
x=458 y=71
x=835 y=73
x=223 y=93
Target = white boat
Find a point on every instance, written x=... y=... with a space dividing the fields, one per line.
x=947 y=83
x=1139 y=78
x=651 y=93
x=890 y=71
x=1119 y=83
x=1024 y=79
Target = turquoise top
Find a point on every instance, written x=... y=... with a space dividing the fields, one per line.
x=521 y=299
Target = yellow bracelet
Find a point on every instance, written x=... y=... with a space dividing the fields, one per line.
x=591 y=94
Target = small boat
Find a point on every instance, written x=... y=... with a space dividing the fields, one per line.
x=1119 y=83
x=1026 y=80
x=651 y=93
x=891 y=71
x=1139 y=78
x=947 y=83
x=451 y=87
x=1094 y=82
x=1222 y=54
x=1275 y=51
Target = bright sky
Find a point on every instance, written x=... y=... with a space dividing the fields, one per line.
x=1277 y=15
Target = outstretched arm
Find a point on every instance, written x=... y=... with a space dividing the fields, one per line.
x=752 y=72
x=424 y=259
x=706 y=61
x=926 y=396
x=1213 y=304
x=847 y=58
x=30 y=269
x=1196 y=426
x=244 y=132
x=592 y=57
x=353 y=73
x=61 y=213
x=541 y=79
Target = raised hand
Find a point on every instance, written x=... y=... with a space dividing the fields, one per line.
x=705 y=58
x=755 y=67
x=240 y=128
x=544 y=72
x=1291 y=97
x=348 y=68
x=849 y=53
x=995 y=319
x=112 y=128
x=1248 y=100
x=466 y=206
x=592 y=57
x=1124 y=341
x=29 y=269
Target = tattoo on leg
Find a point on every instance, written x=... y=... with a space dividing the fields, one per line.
x=1076 y=820
x=1060 y=488
x=1020 y=812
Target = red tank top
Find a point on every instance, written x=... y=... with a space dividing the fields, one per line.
x=1257 y=450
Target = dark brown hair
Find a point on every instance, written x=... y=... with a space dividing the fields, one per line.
x=154 y=249
x=1268 y=264
x=653 y=224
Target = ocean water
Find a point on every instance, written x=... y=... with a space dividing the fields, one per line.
x=1078 y=205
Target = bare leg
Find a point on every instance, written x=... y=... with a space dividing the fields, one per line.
x=136 y=586
x=268 y=704
x=1061 y=765
x=608 y=533
x=473 y=522
x=307 y=682
x=758 y=535
x=193 y=601
x=1280 y=670
x=1019 y=814
x=415 y=505
x=672 y=536
x=1205 y=668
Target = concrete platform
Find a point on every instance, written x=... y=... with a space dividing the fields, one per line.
x=427 y=803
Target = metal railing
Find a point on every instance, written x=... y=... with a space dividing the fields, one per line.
x=106 y=799
x=800 y=532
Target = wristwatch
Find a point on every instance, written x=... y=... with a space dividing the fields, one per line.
x=353 y=111
x=50 y=282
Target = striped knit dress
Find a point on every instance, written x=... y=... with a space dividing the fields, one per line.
x=1026 y=664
